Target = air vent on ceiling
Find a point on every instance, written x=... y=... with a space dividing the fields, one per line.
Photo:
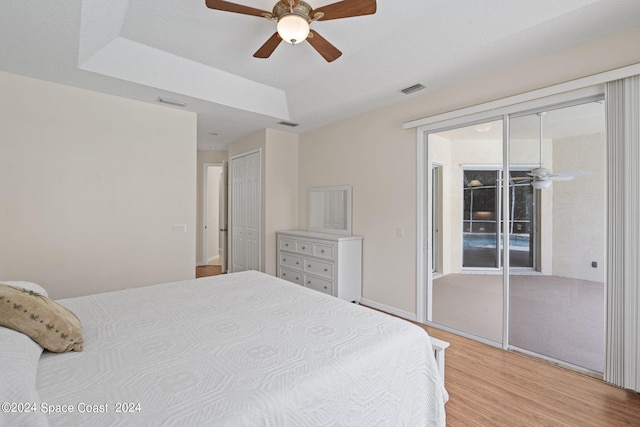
x=412 y=89
x=171 y=102
x=288 y=124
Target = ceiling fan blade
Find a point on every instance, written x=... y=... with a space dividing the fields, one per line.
x=346 y=9
x=568 y=176
x=270 y=45
x=237 y=8
x=324 y=48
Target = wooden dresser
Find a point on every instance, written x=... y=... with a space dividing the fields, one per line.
x=329 y=263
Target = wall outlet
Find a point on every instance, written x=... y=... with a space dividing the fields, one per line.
x=594 y=264
x=179 y=228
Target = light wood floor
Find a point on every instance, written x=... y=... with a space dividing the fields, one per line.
x=208 y=270
x=491 y=387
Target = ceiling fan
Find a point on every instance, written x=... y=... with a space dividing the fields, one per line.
x=293 y=18
x=542 y=177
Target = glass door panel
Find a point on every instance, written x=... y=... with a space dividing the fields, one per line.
x=521 y=220
x=557 y=234
x=467 y=284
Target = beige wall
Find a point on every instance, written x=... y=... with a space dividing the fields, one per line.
x=579 y=213
x=90 y=188
x=204 y=157
x=255 y=141
x=377 y=158
x=374 y=154
x=281 y=191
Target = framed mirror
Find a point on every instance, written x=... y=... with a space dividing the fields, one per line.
x=329 y=209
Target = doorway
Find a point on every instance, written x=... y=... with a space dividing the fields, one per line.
x=214 y=231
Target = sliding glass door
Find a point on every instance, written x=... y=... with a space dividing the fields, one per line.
x=535 y=195
x=467 y=218
x=557 y=310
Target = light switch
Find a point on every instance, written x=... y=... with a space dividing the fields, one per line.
x=399 y=231
x=179 y=228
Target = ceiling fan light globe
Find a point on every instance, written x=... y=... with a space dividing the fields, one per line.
x=293 y=28
x=540 y=185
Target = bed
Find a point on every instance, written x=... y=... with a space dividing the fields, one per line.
x=242 y=349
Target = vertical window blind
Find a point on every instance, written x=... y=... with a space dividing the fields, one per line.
x=622 y=361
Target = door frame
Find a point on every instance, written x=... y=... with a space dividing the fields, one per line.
x=230 y=208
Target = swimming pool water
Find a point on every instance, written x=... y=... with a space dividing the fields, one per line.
x=488 y=239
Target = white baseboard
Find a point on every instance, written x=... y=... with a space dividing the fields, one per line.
x=388 y=309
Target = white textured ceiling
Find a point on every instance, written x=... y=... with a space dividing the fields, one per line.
x=180 y=49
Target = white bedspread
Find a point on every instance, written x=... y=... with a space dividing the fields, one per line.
x=243 y=349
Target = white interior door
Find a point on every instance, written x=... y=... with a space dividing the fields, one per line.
x=238 y=209
x=245 y=212
x=252 y=215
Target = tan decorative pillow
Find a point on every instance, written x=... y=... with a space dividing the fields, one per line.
x=46 y=322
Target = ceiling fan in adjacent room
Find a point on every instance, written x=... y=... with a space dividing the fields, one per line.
x=293 y=18
x=542 y=177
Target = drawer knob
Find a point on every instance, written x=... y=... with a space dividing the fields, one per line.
x=304 y=247
x=284 y=274
x=297 y=262
x=297 y=278
x=284 y=260
x=322 y=251
x=326 y=269
x=325 y=287
x=309 y=266
x=308 y=282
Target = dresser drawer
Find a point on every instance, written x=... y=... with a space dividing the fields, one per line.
x=320 y=268
x=303 y=247
x=287 y=244
x=291 y=261
x=324 y=251
x=322 y=285
x=292 y=276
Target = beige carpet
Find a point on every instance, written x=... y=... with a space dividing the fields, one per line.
x=553 y=316
x=470 y=303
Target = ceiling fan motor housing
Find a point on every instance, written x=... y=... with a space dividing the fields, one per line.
x=540 y=172
x=283 y=8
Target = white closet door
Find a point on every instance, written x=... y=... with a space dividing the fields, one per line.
x=237 y=214
x=245 y=212
x=252 y=209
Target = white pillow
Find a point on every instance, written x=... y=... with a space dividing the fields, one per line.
x=19 y=357
x=26 y=285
